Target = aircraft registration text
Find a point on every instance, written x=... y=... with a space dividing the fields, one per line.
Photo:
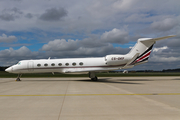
x=117 y=58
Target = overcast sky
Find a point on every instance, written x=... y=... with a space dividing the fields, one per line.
x=39 y=29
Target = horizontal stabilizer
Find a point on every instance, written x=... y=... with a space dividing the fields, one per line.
x=155 y=39
x=161 y=38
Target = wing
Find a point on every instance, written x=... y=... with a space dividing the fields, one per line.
x=72 y=70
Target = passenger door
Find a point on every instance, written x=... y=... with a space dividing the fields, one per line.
x=30 y=66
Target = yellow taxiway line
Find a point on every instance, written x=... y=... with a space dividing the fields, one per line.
x=92 y=94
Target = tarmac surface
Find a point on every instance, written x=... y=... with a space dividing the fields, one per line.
x=110 y=98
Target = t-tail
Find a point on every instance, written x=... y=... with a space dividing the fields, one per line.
x=142 y=50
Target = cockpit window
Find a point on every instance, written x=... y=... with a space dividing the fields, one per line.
x=18 y=63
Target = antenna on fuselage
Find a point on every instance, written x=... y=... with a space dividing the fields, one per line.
x=49 y=58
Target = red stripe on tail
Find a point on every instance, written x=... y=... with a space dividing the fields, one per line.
x=143 y=56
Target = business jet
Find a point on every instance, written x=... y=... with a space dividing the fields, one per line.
x=139 y=54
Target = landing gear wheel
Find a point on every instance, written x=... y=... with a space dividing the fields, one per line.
x=94 y=79
x=92 y=76
x=18 y=79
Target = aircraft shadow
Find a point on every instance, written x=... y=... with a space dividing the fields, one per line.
x=176 y=79
x=104 y=80
x=137 y=80
x=108 y=81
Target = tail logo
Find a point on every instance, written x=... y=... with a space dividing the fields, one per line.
x=143 y=57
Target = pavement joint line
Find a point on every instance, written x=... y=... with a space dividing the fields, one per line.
x=63 y=102
x=92 y=94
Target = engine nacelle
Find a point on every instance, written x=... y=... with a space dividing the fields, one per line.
x=116 y=59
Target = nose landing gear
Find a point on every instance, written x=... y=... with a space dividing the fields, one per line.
x=18 y=77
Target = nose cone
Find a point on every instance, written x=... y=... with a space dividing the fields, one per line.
x=9 y=69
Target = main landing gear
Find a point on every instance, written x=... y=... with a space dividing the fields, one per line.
x=18 y=77
x=92 y=76
x=94 y=79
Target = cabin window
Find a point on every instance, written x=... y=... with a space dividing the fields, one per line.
x=52 y=64
x=60 y=64
x=67 y=64
x=74 y=64
x=45 y=64
x=38 y=65
x=81 y=63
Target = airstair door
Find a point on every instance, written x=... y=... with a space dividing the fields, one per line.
x=31 y=66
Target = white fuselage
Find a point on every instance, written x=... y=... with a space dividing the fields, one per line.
x=73 y=65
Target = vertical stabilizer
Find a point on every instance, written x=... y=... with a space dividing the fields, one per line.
x=144 y=47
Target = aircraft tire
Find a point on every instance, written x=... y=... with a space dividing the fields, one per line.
x=18 y=79
x=94 y=79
